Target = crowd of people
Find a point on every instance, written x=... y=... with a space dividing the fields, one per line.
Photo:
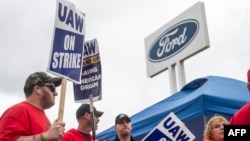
x=27 y=121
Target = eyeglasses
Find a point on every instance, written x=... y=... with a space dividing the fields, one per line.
x=215 y=126
x=51 y=87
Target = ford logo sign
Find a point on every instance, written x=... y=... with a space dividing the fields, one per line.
x=173 y=40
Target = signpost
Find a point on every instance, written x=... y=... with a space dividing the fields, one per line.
x=176 y=41
x=70 y=56
x=67 y=47
x=90 y=89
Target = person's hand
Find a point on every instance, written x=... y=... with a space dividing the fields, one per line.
x=56 y=131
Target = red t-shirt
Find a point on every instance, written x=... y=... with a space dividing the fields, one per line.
x=242 y=116
x=75 y=135
x=22 y=119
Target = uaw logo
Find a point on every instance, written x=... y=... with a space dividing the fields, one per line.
x=173 y=40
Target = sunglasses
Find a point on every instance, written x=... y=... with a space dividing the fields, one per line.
x=51 y=87
x=215 y=126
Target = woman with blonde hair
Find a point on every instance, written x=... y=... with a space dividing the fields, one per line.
x=214 y=130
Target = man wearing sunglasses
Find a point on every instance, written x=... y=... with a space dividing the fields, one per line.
x=27 y=121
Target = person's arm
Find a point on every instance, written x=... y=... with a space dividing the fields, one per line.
x=38 y=137
x=55 y=132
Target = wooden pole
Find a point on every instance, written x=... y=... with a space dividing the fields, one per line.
x=92 y=112
x=62 y=99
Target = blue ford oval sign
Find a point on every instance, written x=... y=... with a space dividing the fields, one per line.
x=173 y=40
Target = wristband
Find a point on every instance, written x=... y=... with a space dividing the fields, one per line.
x=43 y=138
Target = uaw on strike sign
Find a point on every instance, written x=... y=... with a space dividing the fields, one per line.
x=170 y=129
x=91 y=84
x=67 y=48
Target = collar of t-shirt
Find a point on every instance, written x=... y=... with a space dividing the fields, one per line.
x=86 y=136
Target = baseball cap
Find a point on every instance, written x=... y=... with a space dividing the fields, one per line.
x=39 y=77
x=120 y=117
x=85 y=108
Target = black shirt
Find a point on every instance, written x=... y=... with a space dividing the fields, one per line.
x=86 y=136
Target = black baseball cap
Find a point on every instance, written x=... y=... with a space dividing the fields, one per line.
x=85 y=108
x=120 y=117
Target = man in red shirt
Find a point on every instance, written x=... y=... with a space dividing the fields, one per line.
x=82 y=133
x=242 y=116
x=27 y=121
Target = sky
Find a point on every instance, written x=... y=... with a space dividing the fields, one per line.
x=120 y=27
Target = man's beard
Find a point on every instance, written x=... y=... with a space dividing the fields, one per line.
x=125 y=132
x=47 y=101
